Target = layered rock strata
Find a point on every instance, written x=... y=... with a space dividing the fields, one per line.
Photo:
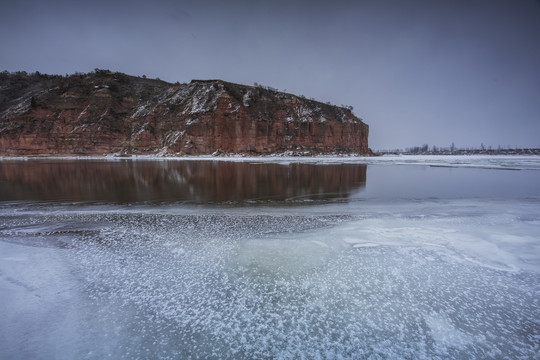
x=105 y=113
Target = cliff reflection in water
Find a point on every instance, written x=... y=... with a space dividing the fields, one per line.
x=128 y=181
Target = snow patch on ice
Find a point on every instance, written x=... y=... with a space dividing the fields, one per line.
x=445 y=333
x=462 y=239
x=178 y=251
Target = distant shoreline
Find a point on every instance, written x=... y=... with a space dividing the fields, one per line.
x=262 y=156
x=483 y=162
x=463 y=151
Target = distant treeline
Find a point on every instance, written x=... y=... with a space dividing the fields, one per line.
x=453 y=150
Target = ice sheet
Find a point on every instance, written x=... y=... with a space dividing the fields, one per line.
x=429 y=279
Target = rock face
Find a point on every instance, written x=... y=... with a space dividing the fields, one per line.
x=103 y=113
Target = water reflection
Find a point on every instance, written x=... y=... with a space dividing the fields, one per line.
x=129 y=181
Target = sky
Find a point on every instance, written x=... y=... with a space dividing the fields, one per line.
x=431 y=72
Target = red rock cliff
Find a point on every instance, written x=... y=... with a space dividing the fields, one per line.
x=104 y=112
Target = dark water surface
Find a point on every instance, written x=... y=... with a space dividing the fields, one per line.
x=175 y=181
x=221 y=182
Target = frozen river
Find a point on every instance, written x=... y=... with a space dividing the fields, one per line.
x=316 y=258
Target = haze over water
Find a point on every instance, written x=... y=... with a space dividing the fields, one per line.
x=405 y=257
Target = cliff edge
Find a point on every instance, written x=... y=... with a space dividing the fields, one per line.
x=103 y=113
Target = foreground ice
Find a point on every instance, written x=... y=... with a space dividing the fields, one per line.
x=435 y=279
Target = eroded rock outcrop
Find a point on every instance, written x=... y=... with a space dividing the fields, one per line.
x=103 y=113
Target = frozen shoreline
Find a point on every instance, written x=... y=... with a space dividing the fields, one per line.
x=501 y=162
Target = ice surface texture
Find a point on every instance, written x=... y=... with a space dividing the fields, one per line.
x=461 y=282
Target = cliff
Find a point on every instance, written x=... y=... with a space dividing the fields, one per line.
x=103 y=113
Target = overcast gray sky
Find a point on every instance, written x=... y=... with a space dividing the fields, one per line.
x=435 y=72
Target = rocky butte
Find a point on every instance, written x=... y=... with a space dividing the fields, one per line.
x=113 y=113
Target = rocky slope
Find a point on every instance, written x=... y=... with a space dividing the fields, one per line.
x=103 y=113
